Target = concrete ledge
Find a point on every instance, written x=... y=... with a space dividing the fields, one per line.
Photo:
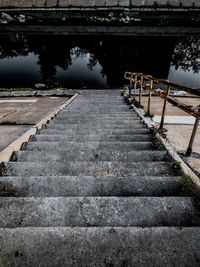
x=98 y=3
x=6 y=154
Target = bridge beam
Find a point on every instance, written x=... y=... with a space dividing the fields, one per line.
x=98 y=3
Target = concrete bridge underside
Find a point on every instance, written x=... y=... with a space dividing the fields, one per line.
x=99 y=3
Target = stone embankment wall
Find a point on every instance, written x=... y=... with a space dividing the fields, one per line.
x=98 y=3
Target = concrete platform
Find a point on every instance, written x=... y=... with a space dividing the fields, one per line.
x=179 y=127
x=8 y=133
x=28 y=110
x=18 y=114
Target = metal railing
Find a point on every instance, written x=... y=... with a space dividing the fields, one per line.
x=147 y=82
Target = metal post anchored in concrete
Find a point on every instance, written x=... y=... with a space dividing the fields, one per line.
x=131 y=84
x=141 y=87
x=135 y=86
x=149 y=99
x=194 y=131
x=164 y=108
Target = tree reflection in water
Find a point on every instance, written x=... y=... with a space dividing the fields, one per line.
x=187 y=54
x=111 y=55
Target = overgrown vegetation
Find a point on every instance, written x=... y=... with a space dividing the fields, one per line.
x=2 y=169
x=156 y=143
x=131 y=100
x=188 y=182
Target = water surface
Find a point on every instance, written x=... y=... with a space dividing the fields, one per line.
x=95 y=61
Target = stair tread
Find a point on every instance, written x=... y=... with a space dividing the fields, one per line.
x=104 y=168
x=98 y=211
x=90 y=155
x=93 y=186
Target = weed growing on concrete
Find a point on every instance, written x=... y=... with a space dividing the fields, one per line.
x=157 y=144
x=2 y=169
x=177 y=170
x=14 y=156
x=137 y=104
x=146 y=114
x=6 y=190
x=188 y=183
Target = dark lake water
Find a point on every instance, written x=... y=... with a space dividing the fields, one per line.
x=95 y=62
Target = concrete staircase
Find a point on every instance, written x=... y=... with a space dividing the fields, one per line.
x=92 y=190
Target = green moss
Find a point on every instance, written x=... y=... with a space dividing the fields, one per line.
x=2 y=169
x=157 y=144
x=188 y=183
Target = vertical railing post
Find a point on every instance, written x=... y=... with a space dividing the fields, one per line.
x=130 y=85
x=149 y=99
x=135 y=86
x=194 y=131
x=164 y=108
x=141 y=87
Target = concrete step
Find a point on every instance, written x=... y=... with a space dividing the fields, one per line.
x=89 y=146
x=93 y=126
x=80 y=112
x=89 y=155
x=55 y=186
x=86 y=131
x=99 y=168
x=98 y=211
x=107 y=246
x=102 y=118
x=93 y=137
x=128 y=115
x=109 y=110
x=91 y=123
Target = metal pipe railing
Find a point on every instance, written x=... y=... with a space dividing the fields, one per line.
x=147 y=82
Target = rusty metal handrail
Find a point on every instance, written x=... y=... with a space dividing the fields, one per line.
x=165 y=82
x=133 y=77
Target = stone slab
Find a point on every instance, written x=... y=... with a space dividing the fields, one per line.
x=62 y=186
x=98 y=211
x=8 y=133
x=30 y=113
x=108 y=246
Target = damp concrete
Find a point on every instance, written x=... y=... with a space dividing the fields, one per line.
x=18 y=114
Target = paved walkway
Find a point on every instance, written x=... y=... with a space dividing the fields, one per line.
x=17 y=114
x=179 y=127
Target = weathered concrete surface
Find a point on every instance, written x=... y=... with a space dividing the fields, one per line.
x=11 y=105
x=98 y=211
x=78 y=192
x=8 y=133
x=90 y=146
x=99 y=3
x=30 y=113
x=100 y=168
x=179 y=133
x=152 y=247
x=89 y=155
x=62 y=186
x=94 y=131
x=82 y=138
x=25 y=111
